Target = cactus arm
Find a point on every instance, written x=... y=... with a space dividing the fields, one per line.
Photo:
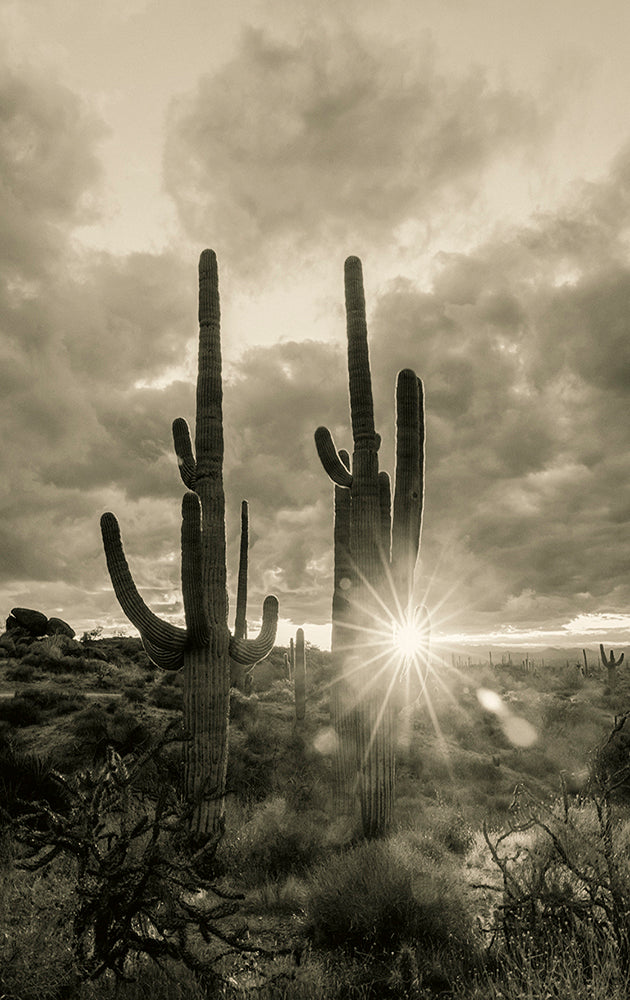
x=620 y=660
x=163 y=658
x=385 y=497
x=331 y=459
x=166 y=640
x=240 y=624
x=248 y=651
x=603 y=654
x=184 y=452
x=361 y=402
x=196 y=620
x=407 y=513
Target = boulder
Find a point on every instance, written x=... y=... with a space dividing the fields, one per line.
x=57 y=626
x=34 y=621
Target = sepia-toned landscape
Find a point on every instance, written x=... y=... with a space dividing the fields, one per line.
x=315 y=495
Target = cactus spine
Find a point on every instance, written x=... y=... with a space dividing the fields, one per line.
x=204 y=647
x=299 y=677
x=611 y=665
x=375 y=555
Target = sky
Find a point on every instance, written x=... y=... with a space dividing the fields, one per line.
x=475 y=155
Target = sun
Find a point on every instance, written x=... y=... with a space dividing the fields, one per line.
x=410 y=639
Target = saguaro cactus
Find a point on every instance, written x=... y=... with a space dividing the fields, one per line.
x=204 y=647
x=299 y=677
x=289 y=660
x=611 y=665
x=376 y=551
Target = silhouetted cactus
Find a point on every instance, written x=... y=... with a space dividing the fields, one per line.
x=611 y=665
x=299 y=677
x=375 y=555
x=289 y=660
x=241 y=675
x=204 y=647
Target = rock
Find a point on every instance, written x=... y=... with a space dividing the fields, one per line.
x=57 y=626
x=34 y=621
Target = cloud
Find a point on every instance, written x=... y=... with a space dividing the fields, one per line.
x=521 y=341
x=292 y=145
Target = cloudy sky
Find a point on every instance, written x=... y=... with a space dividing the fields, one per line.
x=474 y=153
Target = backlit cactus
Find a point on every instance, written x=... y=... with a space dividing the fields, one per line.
x=204 y=647
x=299 y=677
x=376 y=549
x=611 y=665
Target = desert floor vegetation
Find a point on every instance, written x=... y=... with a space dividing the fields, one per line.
x=507 y=873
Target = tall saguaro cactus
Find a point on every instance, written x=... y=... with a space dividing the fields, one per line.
x=376 y=549
x=204 y=647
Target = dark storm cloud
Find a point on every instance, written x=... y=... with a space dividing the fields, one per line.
x=331 y=139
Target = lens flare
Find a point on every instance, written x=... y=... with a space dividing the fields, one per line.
x=409 y=639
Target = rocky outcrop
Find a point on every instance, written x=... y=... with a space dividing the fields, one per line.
x=34 y=621
x=28 y=624
x=57 y=626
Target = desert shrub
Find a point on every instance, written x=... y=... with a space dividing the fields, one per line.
x=135 y=896
x=21 y=712
x=135 y=693
x=36 y=912
x=274 y=842
x=610 y=762
x=252 y=765
x=53 y=701
x=447 y=825
x=23 y=672
x=378 y=895
x=27 y=777
x=243 y=708
x=34 y=659
x=96 y=728
x=167 y=697
x=565 y=879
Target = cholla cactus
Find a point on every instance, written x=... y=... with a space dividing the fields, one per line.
x=376 y=551
x=204 y=647
x=611 y=665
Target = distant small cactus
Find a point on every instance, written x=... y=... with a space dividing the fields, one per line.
x=611 y=665
x=299 y=675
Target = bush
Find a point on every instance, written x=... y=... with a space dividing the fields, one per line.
x=23 y=672
x=169 y=698
x=53 y=701
x=274 y=842
x=378 y=895
x=27 y=777
x=252 y=763
x=21 y=712
x=135 y=694
x=565 y=880
x=97 y=728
